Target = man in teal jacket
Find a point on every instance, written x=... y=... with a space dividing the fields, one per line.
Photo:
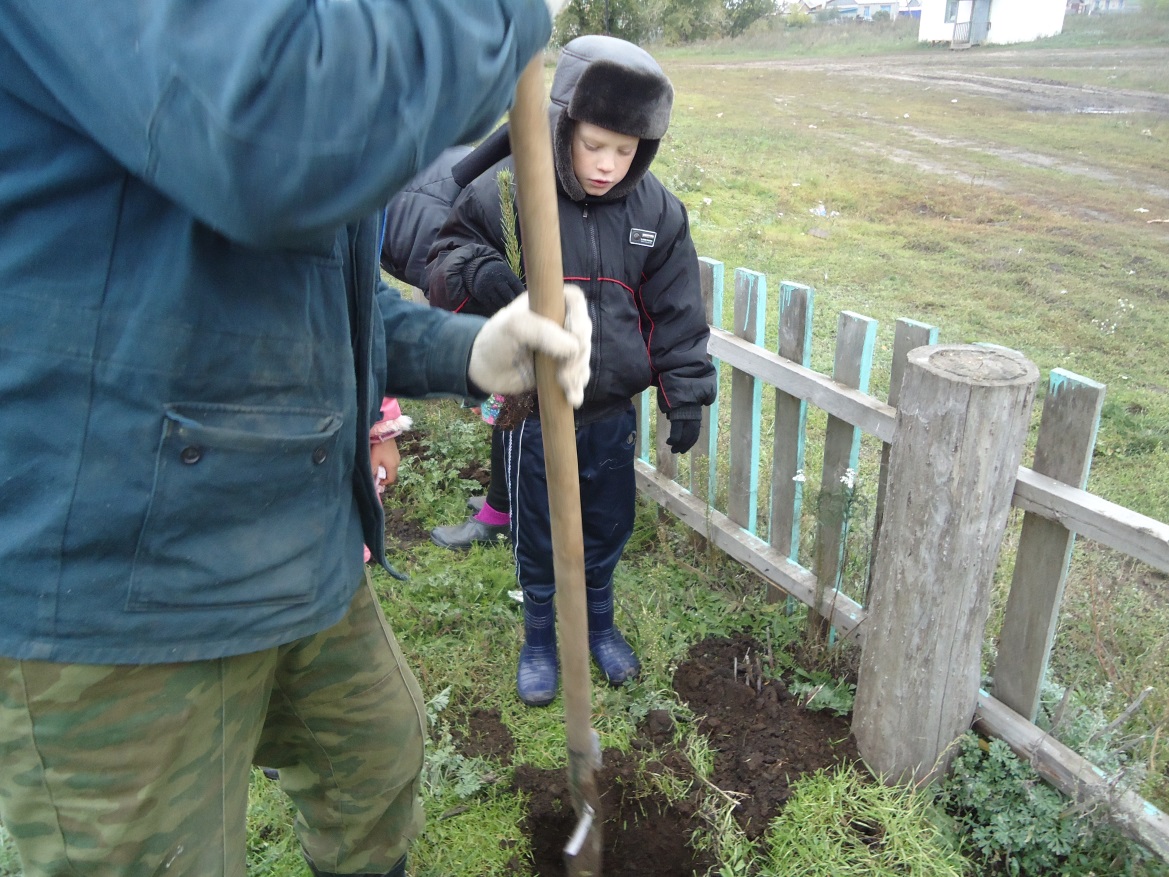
x=191 y=351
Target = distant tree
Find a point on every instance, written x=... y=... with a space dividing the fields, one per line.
x=741 y=14
x=685 y=21
x=632 y=20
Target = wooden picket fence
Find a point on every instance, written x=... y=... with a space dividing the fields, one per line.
x=955 y=420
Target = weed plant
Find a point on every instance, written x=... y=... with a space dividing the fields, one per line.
x=820 y=690
x=1012 y=823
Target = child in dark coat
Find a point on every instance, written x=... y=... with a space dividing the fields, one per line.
x=626 y=242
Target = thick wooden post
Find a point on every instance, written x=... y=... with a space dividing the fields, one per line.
x=956 y=450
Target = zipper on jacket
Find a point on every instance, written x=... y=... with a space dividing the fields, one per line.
x=593 y=299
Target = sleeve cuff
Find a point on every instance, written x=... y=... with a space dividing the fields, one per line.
x=685 y=412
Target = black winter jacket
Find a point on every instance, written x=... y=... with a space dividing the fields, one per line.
x=637 y=265
x=415 y=213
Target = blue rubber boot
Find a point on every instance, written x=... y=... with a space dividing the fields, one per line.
x=538 y=675
x=608 y=647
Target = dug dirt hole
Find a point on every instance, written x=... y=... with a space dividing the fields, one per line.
x=762 y=738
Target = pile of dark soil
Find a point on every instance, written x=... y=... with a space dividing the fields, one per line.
x=763 y=740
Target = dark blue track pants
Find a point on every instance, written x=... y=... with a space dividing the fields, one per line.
x=605 y=451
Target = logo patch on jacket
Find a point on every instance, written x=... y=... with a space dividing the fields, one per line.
x=642 y=237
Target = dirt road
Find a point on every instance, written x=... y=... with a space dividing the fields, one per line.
x=1009 y=75
x=1035 y=88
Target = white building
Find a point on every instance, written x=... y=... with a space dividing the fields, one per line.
x=975 y=22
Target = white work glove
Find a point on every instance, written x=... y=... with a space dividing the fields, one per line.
x=554 y=7
x=503 y=353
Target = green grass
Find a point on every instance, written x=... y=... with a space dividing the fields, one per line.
x=851 y=39
x=1043 y=259
x=946 y=216
x=272 y=848
x=840 y=823
x=976 y=212
x=9 y=864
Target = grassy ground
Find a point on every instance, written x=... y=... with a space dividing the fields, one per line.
x=1003 y=194
x=978 y=191
x=997 y=212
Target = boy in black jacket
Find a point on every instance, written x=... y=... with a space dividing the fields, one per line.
x=626 y=242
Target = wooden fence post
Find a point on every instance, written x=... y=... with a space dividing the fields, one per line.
x=791 y=418
x=907 y=335
x=641 y=413
x=704 y=457
x=955 y=455
x=1067 y=436
x=746 y=402
x=856 y=336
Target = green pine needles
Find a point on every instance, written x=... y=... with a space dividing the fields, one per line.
x=511 y=240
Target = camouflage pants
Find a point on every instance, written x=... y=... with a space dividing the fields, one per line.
x=136 y=770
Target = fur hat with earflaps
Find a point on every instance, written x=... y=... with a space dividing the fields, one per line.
x=612 y=83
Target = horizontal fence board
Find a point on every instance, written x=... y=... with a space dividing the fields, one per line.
x=1090 y=516
x=842 y=612
x=1073 y=775
x=861 y=410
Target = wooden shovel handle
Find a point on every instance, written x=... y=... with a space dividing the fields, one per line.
x=539 y=216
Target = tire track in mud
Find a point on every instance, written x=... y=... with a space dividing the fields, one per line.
x=945 y=156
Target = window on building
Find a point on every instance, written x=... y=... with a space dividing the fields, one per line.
x=951 y=10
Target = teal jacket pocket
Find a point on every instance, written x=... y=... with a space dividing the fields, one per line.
x=242 y=502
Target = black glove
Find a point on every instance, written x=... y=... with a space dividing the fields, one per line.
x=495 y=286
x=685 y=425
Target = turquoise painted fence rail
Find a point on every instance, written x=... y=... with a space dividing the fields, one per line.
x=718 y=495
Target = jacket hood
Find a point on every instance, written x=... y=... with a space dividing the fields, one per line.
x=612 y=83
